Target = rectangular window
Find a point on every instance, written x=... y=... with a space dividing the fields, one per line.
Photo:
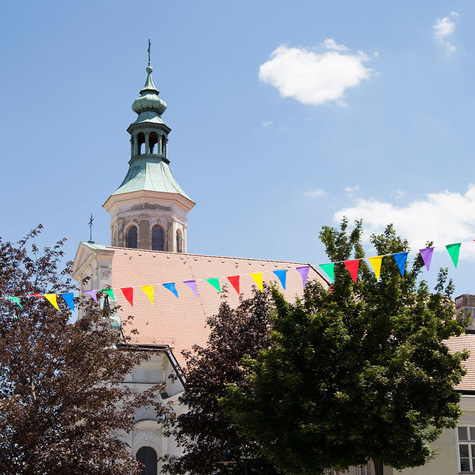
x=466 y=447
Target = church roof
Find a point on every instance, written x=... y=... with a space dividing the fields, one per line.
x=148 y=174
x=181 y=322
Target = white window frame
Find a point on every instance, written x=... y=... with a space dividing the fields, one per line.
x=471 y=451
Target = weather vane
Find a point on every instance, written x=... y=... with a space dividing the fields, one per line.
x=91 y=220
x=149 y=44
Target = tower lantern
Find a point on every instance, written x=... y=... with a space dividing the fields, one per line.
x=149 y=209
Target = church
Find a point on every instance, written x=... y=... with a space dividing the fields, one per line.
x=170 y=292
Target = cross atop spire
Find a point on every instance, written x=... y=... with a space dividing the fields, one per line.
x=149 y=44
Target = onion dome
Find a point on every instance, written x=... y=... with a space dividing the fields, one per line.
x=149 y=100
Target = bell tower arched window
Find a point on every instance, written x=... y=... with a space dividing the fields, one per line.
x=140 y=143
x=157 y=238
x=148 y=457
x=132 y=237
x=179 y=245
x=153 y=143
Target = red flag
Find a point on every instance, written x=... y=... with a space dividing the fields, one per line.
x=234 y=279
x=129 y=294
x=352 y=267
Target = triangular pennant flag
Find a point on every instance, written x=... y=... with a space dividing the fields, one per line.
x=352 y=267
x=192 y=285
x=110 y=293
x=303 y=271
x=51 y=298
x=36 y=295
x=426 y=255
x=329 y=269
x=172 y=288
x=376 y=264
x=215 y=283
x=128 y=294
x=454 y=251
x=234 y=279
x=16 y=300
x=257 y=278
x=69 y=299
x=92 y=293
x=148 y=289
x=282 y=275
x=401 y=258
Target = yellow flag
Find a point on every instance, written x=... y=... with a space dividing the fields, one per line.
x=51 y=298
x=376 y=264
x=257 y=278
x=148 y=289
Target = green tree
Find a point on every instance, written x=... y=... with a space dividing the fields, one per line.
x=204 y=432
x=357 y=372
x=62 y=403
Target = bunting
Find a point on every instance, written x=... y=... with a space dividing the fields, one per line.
x=426 y=255
x=329 y=269
x=51 y=298
x=352 y=267
x=303 y=271
x=215 y=283
x=192 y=285
x=128 y=294
x=92 y=293
x=376 y=265
x=172 y=288
x=148 y=290
x=110 y=293
x=454 y=250
x=282 y=275
x=68 y=297
x=16 y=300
x=401 y=258
x=257 y=278
x=234 y=280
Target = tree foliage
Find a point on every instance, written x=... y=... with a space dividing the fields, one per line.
x=204 y=431
x=357 y=372
x=61 y=398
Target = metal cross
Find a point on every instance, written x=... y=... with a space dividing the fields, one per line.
x=91 y=220
x=149 y=43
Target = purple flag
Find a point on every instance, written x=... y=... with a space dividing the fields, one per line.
x=303 y=271
x=192 y=285
x=172 y=288
x=426 y=255
x=92 y=293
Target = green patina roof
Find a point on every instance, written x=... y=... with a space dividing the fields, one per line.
x=150 y=175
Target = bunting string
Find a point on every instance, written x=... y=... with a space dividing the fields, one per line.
x=149 y=290
x=399 y=257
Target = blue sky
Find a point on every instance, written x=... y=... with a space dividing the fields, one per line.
x=284 y=117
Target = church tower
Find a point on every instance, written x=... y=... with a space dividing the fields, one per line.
x=149 y=209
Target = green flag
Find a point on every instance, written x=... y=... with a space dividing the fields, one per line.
x=454 y=251
x=329 y=269
x=215 y=283
x=16 y=300
x=109 y=293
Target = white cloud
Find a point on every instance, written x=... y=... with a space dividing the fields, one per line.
x=443 y=218
x=443 y=30
x=352 y=189
x=314 y=78
x=315 y=193
x=330 y=43
x=267 y=123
